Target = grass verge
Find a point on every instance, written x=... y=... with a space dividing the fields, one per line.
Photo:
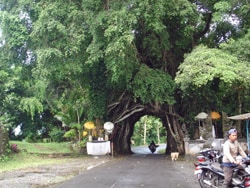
x=36 y=154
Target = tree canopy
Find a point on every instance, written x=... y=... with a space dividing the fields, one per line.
x=119 y=60
x=204 y=65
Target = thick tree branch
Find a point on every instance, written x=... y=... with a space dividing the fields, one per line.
x=170 y=128
x=129 y=113
x=197 y=36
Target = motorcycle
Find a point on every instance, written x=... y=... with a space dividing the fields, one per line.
x=212 y=175
x=152 y=147
x=208 y=154
x=205 y=157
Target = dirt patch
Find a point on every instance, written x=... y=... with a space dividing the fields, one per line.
x=50 y=175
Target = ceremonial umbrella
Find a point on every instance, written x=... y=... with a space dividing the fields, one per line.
x=215 y=115
x=201 y=115
x=89 y=125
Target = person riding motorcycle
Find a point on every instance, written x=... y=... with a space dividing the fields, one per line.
x=231 y=149
x=152 y=146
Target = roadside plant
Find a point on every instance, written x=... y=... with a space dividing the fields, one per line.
x=71 y=135
x=56 y=134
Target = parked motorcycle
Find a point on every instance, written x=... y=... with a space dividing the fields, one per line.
x=152 y=147
x=209 y=154
x=204 y=158
x=212 y=176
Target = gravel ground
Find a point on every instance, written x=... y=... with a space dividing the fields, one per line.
x=51 y=175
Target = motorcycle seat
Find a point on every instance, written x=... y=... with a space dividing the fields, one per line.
x=217 y=167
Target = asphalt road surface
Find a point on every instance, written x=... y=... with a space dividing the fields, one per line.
x=138 y=170
x=145 y=150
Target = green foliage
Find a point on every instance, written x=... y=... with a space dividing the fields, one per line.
x=77 y=126
x=32 y=137
x=239 y=47
x=65 y=118
x=14 y=29
x=204 y=65
x=212 y=79
x=70 y=58
x=56 y=134
x=97 y=90
x=71 y=134
x=233 y=12
x=155 y=86
x=31 y=105
x=4 y=158
x=221 y=7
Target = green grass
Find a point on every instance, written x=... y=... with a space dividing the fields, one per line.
x=42 y=148
x=34 y=154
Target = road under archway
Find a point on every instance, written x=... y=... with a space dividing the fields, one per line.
x=145 y=150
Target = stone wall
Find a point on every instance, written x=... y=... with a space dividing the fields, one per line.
x=4 y=140
x=192 y=147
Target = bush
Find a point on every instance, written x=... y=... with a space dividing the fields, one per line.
x=56 y=134
x=31 y=138
x=71 y=134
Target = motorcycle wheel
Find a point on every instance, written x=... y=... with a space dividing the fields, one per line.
x=217 y=181
x=205 y=179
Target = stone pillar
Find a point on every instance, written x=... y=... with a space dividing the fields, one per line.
x=186 y=145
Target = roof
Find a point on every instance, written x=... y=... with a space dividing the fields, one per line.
x=241 y=117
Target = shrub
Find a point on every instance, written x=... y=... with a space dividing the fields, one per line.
x=71 y=134
x=56 y=134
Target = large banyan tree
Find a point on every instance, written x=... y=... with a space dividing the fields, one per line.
x=115 y=59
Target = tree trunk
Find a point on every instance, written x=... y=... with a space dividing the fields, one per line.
x=121 y=138
x=158 y=133
x=238 y=124
x=4 y=141
x=170 y=140
x=145 y=133
x=175 y=135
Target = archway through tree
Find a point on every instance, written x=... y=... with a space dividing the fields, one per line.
x=148 y=128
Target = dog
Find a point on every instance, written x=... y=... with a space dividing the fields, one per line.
x=174 y=156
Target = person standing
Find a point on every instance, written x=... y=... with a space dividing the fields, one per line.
x=231 y=149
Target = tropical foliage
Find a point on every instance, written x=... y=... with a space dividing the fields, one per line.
x=69 y=62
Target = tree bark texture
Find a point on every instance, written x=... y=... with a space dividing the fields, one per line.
x=121 y=138
x=4 y=141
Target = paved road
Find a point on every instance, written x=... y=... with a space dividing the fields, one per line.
x=138 y=170
x=145 y=150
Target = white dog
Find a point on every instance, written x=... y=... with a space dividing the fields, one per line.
x=174 y=156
